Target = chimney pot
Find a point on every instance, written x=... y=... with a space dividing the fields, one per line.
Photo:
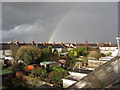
x=53 y=43
x=61 y=43
x=97 y=43
x=11 y=42
x=8 y=42
x=32 y=42
x=16 y=42
x=43 y=43
x=23 y=42
x=110 y=43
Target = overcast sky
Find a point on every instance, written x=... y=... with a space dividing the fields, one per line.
x=60 y=22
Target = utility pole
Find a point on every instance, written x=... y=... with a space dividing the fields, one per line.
x=118 y=44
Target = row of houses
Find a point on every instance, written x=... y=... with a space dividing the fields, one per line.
x=104 y=47
x=5 y=48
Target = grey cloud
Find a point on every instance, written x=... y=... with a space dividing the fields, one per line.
x=94 y=22
x=26 y=32
x=15 y=13
x=37 y=21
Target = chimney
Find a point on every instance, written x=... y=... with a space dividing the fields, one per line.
x=105 y=43
x=110 y=43
x=11 y=42
x=97 y=43
x=23 y=42
x=86 y=44
x=53 y=43
x=32 y=42
x=8 y=42
x=43 y=43
x=47 y=43
x=16 y=42
x=61 y=43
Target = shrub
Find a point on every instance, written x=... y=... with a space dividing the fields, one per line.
x=55 y=79
x=62 y=72
x=29 y=54
x=82 y=51
x=108 y=54
x=39 y=72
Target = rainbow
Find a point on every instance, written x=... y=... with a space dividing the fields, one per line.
x=59 y=24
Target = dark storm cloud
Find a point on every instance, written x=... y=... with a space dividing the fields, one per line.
x=18 y=13
x=74 y=21
x=42 y=17
x=90 y=21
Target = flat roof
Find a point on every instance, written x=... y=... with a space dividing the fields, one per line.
x=47 y=62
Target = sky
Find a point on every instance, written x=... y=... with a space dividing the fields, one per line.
x=60 y=21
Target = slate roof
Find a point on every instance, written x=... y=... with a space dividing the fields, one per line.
x=80 y=44
x=107 y=45
x=6 y=46
x=41 y=45
x=92 y=44
x=53 y=46
x=95 y=45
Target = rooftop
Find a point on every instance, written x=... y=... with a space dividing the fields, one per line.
x=8 y=45
x=47 y=62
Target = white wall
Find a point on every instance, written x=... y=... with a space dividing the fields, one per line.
x=7 y=52
x=1 y=54
x=106 y=50
x=58 y=49
x=4 y=53
x=77 y=74
x=67 y=83
x=115 y=53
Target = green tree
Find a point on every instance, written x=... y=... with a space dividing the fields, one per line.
x=63 y=51
x=14 y=49
x=39 y=72
x=46 y=54
x=29 y=54
x=55 y=79
x=18 y=83
x=56 y=75
x=20 y=67
x=55 y=55
x=62 y=72
x=108 y=54
x=72 y=54
x=82 y=51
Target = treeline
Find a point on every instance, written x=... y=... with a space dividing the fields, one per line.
x=31 y=54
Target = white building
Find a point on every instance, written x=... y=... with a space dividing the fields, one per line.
x=108 y=49
x=4 y=53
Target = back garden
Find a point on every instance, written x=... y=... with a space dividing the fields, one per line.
x=36 y=75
